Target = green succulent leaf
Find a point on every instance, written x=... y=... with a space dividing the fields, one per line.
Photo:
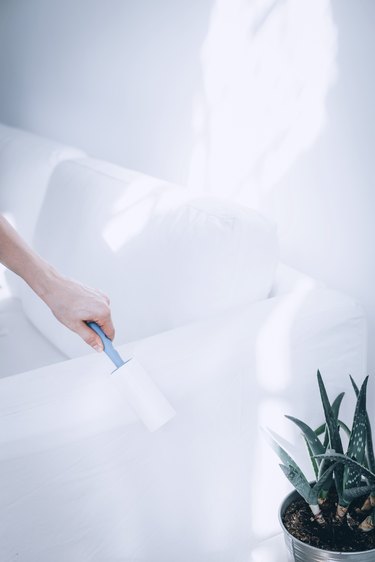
x=356 y=389
x=324 y=479
x=369 y=446
x=336 y=404
x=370 y=476
x=357 y=442
x=353 y=473
x=323 y=467
x=333 y=432
x=313 y=460
x=336 y=409
x=292 y=471
x=281 y=453
x=331 y=420
x=369 y=441
x=314 y=445
x=326 y=463
x=351 y=494
x=321 y=429
x=300 y=483
x=344 y=427
x=309 y=493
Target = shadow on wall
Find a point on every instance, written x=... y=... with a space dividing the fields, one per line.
x=267 y=68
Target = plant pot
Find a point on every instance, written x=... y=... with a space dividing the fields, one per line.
x=299 y=551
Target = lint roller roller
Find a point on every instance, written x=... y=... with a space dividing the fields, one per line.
x=140 y=391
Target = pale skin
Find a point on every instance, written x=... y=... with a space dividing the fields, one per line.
x=72 y=303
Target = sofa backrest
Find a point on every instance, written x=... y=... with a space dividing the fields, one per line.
x=26 y=164
x=163 y=257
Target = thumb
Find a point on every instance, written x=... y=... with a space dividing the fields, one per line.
x=89 y=336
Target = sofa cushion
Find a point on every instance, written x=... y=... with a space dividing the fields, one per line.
x=163 y=257
x=22 y=347
x=26 y=164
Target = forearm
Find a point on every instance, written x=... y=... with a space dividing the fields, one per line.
x=72 y=303
x=17 y=256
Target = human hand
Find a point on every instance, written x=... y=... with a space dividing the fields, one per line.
x=74 y=304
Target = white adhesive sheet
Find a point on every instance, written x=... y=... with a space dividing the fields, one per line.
x=82 y=480
x=142 y=394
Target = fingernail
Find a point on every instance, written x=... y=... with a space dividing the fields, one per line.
x=98 y=348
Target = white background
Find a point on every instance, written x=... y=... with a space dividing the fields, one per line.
x=118 y=78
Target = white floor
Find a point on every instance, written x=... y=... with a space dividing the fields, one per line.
x=272 y=550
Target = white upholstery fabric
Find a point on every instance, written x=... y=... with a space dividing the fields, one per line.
x=22 y=347
x=26 y=164
x=81 y=478
x=83 y=481
x=163 y=258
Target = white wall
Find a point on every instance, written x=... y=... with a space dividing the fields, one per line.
x=289 y=127
x=118 y=78
x=325 y=205
x=114 y=77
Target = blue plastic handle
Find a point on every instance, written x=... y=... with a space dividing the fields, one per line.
x=108 y=347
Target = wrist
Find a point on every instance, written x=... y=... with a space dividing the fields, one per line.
x=41 y=277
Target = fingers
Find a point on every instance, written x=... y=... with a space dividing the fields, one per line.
x=107 y=327
x=89 y=336
x=74 y=304
x=103 y=318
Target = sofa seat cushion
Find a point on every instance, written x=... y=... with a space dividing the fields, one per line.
x=163 y=257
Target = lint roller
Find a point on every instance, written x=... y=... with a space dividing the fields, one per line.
x=140 y=391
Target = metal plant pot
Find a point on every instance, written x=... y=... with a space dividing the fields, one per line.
x=301 y=552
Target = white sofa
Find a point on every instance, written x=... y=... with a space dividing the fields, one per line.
x=232 y=337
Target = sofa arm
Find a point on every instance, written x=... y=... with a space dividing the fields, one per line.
x=226 y=377
x=27 y=162
x=288 y=278
x=280 y=341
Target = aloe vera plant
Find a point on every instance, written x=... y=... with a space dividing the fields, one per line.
x=351 y=473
